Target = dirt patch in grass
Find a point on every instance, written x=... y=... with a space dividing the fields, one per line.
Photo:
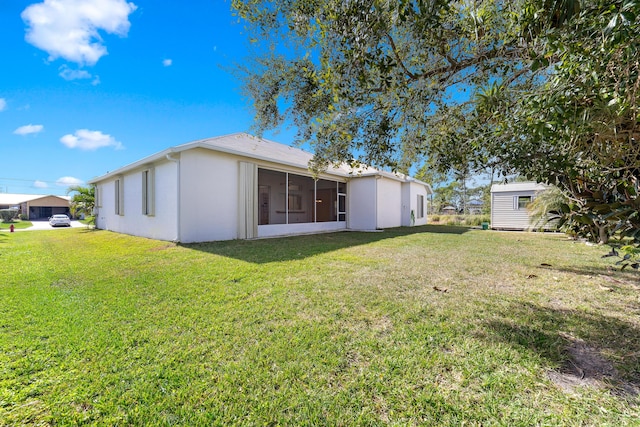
x=586 y=367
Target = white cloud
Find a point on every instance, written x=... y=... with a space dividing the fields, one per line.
x=167 y=62
x=40 y=184
x=69 y=74
x=3 y=104
x=69 y=29
x=90 y=140
x=68 y=181
x=28 y=129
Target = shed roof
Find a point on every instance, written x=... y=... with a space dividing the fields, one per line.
x=518 y=187
x=245 y=145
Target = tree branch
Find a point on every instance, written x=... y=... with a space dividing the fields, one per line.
x=397 y=55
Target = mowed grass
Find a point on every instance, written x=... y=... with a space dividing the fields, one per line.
x=430 y=325
x=16 y=225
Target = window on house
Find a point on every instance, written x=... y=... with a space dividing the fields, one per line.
x=420 y=206
x=98 y=196
x=119 y=196
x=148 y=192
x=342 y=201
x=523 y=201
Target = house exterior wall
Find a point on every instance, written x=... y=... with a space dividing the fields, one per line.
x=389 y=203
x=406 y=205
x=162 y=225
x=274 y=230
x=410 y=192
x=361 y=203
x=209 y=196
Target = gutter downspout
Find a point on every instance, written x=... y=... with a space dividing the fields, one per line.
x=375 y=213
x=179 y=204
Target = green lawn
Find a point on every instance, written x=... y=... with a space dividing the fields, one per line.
x=16 y=224
x=425 y=326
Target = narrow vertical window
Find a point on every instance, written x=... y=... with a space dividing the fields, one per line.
x=420 y=207
x=119 y=196
x=148 y=192
x=342 y=201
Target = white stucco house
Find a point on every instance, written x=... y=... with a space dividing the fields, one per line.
x=509 y=204
x=242 y=187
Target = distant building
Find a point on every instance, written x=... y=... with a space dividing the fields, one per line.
x=35 y=206
x=475 y=206
x=509 y=204
x=449 y=210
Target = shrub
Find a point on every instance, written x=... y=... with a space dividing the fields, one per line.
x=8 y=214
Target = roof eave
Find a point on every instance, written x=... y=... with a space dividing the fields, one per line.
x=154 y=158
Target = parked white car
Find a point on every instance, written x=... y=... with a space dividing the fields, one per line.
x=60 y=221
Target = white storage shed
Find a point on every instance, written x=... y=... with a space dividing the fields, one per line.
x=509 y=204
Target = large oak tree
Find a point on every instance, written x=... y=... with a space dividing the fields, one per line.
x=544 y=88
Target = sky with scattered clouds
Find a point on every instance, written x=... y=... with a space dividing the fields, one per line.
x=88 y=86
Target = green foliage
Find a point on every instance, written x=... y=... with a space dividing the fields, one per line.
x=551 y=90
x=546 y=210
x=579 y=129
x=362 y=79
x=83 y=201
x=7 y=215
x=462 y=220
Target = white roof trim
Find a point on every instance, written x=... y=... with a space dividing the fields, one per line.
x=518 y=187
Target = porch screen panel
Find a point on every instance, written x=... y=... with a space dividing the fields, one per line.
x=248 y=201
x=326 y=199
x=272 y=197
x=300 y=198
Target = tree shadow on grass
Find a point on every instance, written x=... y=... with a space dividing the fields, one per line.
x=587 y=349
x=612 y=276
x=261 y=251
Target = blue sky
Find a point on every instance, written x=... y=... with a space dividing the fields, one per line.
x=87 y=86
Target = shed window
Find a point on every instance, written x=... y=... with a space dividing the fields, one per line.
x=420 y=207
x=521 y=202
